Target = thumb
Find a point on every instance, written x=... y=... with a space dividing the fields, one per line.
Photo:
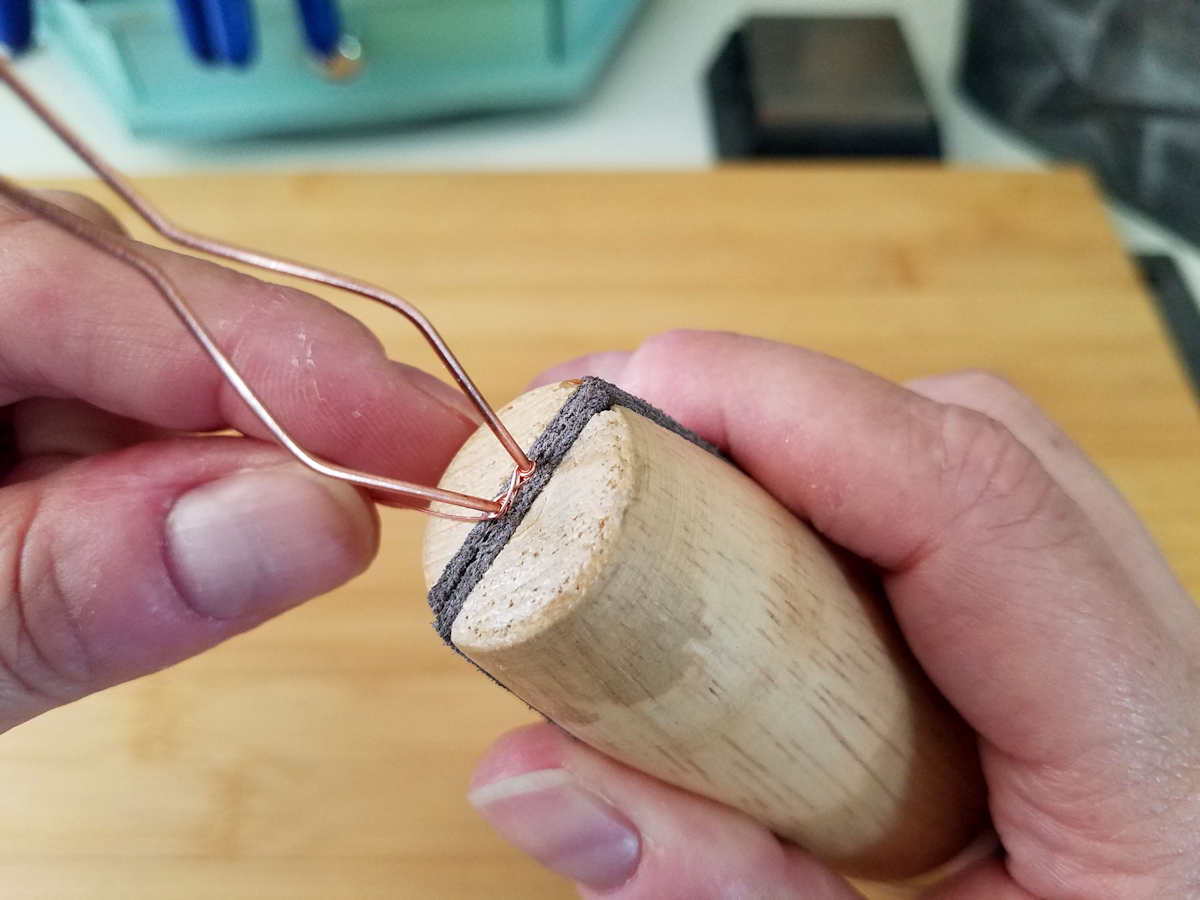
x=622 y=835
x=121 y=564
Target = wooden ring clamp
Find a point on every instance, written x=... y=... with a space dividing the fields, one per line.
x=654 y=601
x=659 y=605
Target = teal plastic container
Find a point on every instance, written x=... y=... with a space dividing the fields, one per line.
x=419 y=59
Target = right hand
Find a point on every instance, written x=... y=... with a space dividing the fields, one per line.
x=1027 y=588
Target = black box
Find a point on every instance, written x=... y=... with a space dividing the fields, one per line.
x=799 y=86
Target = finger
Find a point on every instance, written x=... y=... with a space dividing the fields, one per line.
x=1070 y=467
x=1011 y=600
x=58 y=431
x=124 y=563
x=608 y=366
x=995 y=574
x=622 y=835
x=76 y=323
x=44 y=427
x=85 y=208
x=49 y=434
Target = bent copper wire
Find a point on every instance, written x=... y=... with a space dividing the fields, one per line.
x=114 y=246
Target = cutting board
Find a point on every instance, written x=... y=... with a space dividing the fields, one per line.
x=326 y=754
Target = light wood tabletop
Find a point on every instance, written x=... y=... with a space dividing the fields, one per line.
x=326 y=754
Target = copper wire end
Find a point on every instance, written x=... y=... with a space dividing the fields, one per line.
x=386 y=490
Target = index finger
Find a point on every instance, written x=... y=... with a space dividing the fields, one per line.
x=75 y=322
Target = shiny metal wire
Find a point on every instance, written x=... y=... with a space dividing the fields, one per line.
x=384 y=488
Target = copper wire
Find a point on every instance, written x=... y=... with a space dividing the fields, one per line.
x=383 y=487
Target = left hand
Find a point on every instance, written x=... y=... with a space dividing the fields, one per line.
x=127 y=542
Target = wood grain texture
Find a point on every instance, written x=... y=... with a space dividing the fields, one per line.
x=327 y=753
x=662 y=607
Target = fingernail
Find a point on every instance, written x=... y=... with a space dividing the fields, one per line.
x=257 y=542
x=565 y=827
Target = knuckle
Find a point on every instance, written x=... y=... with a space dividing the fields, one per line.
x=12 y=215
x=985 y=387
x=681 y=350
x=983 y=376
x=85 y=208
x=674 y=343
x=287 y=344
x=23 y=240
x=12 y=218
x=659 y=357
x=996 y=393
x=37 y=257
x=988 y=382
x=992 y=479
x=41 y=653
x=1000 y=398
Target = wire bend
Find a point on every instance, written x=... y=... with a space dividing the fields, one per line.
x=382 y=487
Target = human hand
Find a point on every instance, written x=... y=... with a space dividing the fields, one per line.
x=1026 y=587
x=126 y=543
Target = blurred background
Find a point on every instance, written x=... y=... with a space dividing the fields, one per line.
x=601 y=84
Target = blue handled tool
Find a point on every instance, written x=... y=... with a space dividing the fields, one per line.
x=322 y=25
x=194 y=23
x=426 y=58
x=16 y=25
x=222 y=31
x=230 y=30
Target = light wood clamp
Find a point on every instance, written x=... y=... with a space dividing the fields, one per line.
x=659 y=605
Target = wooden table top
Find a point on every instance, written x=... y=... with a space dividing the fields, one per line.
x=326 y=754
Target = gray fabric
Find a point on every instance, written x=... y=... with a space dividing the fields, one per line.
x=485 y=541
x=1111 y=83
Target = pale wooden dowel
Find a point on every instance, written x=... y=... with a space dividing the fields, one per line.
x=659 y=605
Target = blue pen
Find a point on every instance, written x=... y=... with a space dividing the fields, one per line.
x=195 y=28
x=16 y=25
x=322 y=25
x=230 y=30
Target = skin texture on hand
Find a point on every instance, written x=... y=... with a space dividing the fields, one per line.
x=128 y=543
x=1026 y=587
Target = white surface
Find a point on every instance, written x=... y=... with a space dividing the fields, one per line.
x=648 y=111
